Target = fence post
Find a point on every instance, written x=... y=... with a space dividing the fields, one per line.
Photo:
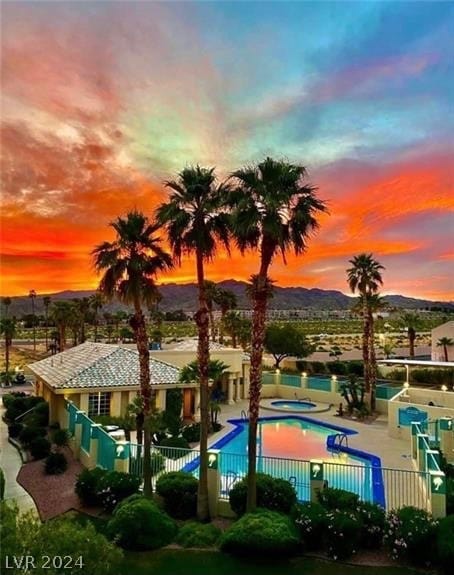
x=438 y=494
x=94 y=434
x=277 y=379
x=414 y=440
x=423 y=441
x=303 y=380
x=333 y=384
x=317 y=482
x=78 y=433
x=214 y=481
x=446 y=431
x=122 y=456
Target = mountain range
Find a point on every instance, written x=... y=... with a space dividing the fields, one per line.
x=184 y=296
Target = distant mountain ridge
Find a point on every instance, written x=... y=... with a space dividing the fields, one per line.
x=184 y=296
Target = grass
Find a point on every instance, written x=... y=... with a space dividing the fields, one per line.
x=184 y=562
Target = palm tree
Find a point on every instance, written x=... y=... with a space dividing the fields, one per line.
x=232 y=323
x=211 y=294
x=119 y=317
x=365 y=278
x=75 y=321
x=410 y=321
x=445 y=342
x=32 y=296
x=83 y=308
x=97 y=300
x=61 y=312
x=374 y=304
x=108 y=318
x=46 y=302
x=273 y=210
x=129 y=265
x=227 y=301
x=6 y=301
x=195 y=221
x=8 y=330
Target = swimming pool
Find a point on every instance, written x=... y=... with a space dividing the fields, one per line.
x=284 y=447
x=294 y=405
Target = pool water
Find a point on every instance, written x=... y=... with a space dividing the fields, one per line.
x=294 y=405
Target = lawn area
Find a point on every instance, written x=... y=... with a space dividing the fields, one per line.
x=184 y=562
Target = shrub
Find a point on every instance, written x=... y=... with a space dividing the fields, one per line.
x=263 y=533
x=311 y=520
x=39 y=417
x=191 y=432
x=140 y=525
x=272 y=493
x=56 y=464
x=15 y=429
x=355 y=368
x=28 y=434
x=60 y=437
x=450 y=496
x=337 y=499
x=2 y=485
x=411 y=534
x=9 y=398
x=373 y=518
x=445 y=543
x=157 y=462
x=20 y=404
x=39 y=447
x=115 y=486
x=174 y=443
x=337 y=367
x=87 y=486
x=318 y=367
x=179 y=491
x=195 y=534
x=343 y=534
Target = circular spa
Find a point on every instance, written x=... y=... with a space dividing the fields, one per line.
x=294 y=405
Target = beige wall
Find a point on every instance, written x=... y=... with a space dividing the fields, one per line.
x=444 y=330
x=231 y=357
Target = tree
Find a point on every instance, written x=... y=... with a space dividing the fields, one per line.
x=32 y=296
x=46 y=301
x=118 y=318
x=211 y=294
x=6 y=301
x=97 y=300
x=83 y=306
x=61 y=313
x=365 y=278
x=227 y=301
x=284 y=340
x=232 y=323
x=129 y=266
x=274 y=210
x=411 y=322
x=195 y=222
x=8 y=330
x=108 y=318
x=445 y=342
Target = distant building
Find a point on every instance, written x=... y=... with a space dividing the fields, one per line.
x=444 y=330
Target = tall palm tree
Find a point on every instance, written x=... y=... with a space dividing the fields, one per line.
x=61 y=312
x=32 y=296
x=129 y=266
x=83 y=307
x=46 y=303
x=211 y=294
x=97 y=300
x=365 y=278
x=232 y=324
x=274 y=210
x=226 y=300
x=411 y=322
x=8 y=330
x=194 y=221
x=6 y=301
x=445 y=342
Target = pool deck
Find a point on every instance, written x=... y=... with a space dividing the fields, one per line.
x=372 y=437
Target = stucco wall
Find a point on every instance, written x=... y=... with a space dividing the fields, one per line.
x=444 y=330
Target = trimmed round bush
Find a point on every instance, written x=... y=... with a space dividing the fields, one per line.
x=191 y=432
x=87 y=486
x=39 y=417
x=272 y=493
x=411 y=534
x=311 y=520
x=39 y=447
x=263 y=533
x=179 y=492
x=445 y=544
x=178 y=447
x=343 y=534
x=194 y=534
x=332 y=498
x=116 y=486
x=28 y=434
x=15 y=429
x=139 y=525
x=373 y=520
x=56 y=463
x=60 y=437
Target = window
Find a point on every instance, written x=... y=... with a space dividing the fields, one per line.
x=98 y=404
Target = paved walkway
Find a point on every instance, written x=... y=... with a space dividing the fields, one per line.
x=10 y=463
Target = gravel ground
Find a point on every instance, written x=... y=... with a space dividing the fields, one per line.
x=53 y=494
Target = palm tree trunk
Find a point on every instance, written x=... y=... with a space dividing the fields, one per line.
x=45 y=331
x=203 y=357
x=372 y=362
x=213 y=330
x=147 y=394
x=62 y=338
x=445 y=351
x=365 y=350
x=7 y=346
x=411 y=338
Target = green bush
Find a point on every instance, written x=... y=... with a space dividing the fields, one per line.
x=355 y=368
x=39 y=417
x=311 y=520
x=318 y=367
x=2 y=485
x=15 y=429
x=195 y=534
x=8 y=398
x=445 y=544
x=178 y=447
x=332 y=498
x=191 y=432
x=179 y=492
x=60 y=437
x=337 y=367
x=272 y=493
x=28 y=434
x=39 y=447
x=343 y=534
x=450 y=496
x=18 y=405
x=116 y=486
x=411 y=534
x=56 y=464
x=157 y=462
x=139 y=525
x=87 y=486
x=263 y=533
x=373 y=519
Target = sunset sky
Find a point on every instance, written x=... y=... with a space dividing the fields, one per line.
x=102 y=101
